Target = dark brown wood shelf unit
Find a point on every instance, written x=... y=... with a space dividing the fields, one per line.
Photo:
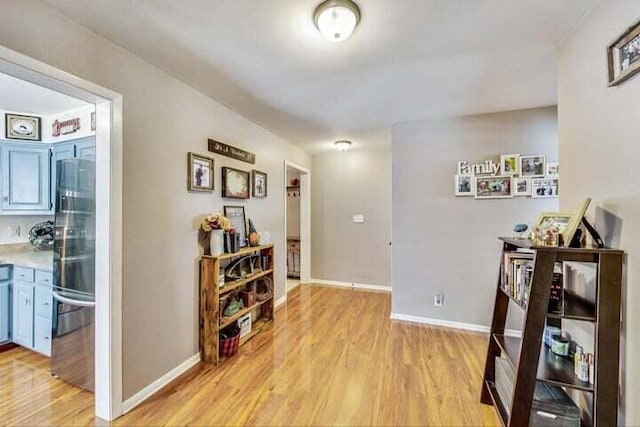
x=531 y=360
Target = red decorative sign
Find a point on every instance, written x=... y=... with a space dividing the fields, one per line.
x=65 y=127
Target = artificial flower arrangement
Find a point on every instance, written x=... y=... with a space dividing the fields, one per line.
x=215 y=221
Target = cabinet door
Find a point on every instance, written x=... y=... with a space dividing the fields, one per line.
x=23 y=314
x=42 y=336
x=25 y=178
x=5 y=313
x=86 y=149
x=60 y=151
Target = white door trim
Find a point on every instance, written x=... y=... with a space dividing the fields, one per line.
x=305 y=220
x=108 y=322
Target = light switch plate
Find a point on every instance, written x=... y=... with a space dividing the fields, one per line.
x=14 y=231
x=358 y=219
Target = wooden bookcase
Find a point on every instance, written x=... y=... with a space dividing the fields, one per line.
x=211 y=320
x=531 y=361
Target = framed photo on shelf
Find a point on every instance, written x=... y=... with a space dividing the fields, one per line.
x=238 y=222
x=235 y=183
x=532 y=166
x=521 y=186
x=493 y=187
x=259 y=184
x=200 y=173
x=553 y=169
x=464 y=185
x=22 y=127
x=558 y=220
x=576 y=220
x=544 y=188
x=510 y=164
x=624 y=56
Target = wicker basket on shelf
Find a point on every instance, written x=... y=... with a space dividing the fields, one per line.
x=264 y=288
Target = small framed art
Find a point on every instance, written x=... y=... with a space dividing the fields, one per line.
x=259 y=184
x=553 y=169
x=532 y=166
x=200 y=173
x=235 y=183
x=557 y=220
x=238 y=222
x=544 y=188
x=22 y=127
x=464 y=185
x=521 y=186
x=493 y=187
x=624 y=56
x=510 y=164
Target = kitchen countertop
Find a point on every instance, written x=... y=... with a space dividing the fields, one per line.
x=26 y=256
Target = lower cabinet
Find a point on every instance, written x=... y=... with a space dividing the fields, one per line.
x=23 y=313
x=5 y=311
x=42 y=323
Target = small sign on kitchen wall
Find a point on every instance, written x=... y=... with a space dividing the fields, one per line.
x=65 y=127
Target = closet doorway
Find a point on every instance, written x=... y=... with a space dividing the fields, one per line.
x=297 y=224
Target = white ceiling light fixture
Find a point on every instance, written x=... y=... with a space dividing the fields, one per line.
x=342 y=145
x=336 y=19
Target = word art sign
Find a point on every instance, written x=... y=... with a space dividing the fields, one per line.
x=489 y=167
x=65 y=127
x=230 y=151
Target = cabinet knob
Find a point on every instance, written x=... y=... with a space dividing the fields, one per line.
x=5 y=199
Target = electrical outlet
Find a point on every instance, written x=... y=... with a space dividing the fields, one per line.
x=14 y=231
x=438 y=300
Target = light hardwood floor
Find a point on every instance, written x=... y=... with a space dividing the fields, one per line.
x=333 y=357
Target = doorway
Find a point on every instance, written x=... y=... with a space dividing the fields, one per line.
x=108 y=218
x=297 y=224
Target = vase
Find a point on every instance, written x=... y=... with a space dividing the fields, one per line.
x=217 y=242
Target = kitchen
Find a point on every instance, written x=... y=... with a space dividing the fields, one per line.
x=47 y=229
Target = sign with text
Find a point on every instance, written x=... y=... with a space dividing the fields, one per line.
x=230 y=151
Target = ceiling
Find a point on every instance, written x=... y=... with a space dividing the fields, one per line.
x=23 y=97
x=408 y=60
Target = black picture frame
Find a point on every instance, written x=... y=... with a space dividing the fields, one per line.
x=238 y=220
x=235 y=183
x=258 y=184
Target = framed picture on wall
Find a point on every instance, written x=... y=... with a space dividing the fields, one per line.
x=532 y=166
x=22 y=127
x=624 y=56
x=493 y=187
x=464 y=185
x=238 y=222
x=553 y=169
x=235 y=183
x=200 y=173
x=544 y=188
x=510 y=164
x=521 y=186
x=259 y=183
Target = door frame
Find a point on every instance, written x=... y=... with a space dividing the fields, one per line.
x=305 y=220
x=109 y=150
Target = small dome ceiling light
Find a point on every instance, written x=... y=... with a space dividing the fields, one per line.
x=342 y=145
x=336 y=19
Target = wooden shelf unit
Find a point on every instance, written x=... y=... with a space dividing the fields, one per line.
x=531 y=360
x=211 y=320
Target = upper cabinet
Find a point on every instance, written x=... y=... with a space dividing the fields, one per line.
x=25 y=171
x=86 y=148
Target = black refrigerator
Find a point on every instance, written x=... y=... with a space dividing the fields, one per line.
x=72 y=345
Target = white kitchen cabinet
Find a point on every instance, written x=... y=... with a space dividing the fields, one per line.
x=42 y=319
x=25 y=178
x=5 y=311
x=86 y=148
x=23 y=309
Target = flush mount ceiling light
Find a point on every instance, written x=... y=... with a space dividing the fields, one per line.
x=336 y=19
x=342 y=145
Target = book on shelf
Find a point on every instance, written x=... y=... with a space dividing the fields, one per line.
x=517 y=271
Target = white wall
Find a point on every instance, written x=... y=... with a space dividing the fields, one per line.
x=345 y=184
x=599 y=130
x=446 y=244
x=163 y=120
x=24 y=221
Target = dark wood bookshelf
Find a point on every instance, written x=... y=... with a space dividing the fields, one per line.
x=531 y=360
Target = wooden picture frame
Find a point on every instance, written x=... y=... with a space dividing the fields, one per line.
x=521 y=186
x=25 y=128
x=238 y=221
x=509 y=164
x=464 y=185
x=624 y=56
x=576 y=220
x=235 y=183
x=258 y=184
x=533 y=165
x=560 y=220
x=545 y=188
x=200 y=173
x=493 y=187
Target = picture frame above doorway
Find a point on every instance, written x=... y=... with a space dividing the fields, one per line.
x=21 y=127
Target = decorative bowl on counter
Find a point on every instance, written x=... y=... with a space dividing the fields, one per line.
x=41 y=235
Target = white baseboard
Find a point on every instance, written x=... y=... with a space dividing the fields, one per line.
x=352 y=285
x=451 y=324
x=280 y=301
x=158 y=384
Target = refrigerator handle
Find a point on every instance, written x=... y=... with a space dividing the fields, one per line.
x=71 y=301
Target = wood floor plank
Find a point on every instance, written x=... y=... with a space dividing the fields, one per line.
x=331 y=357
